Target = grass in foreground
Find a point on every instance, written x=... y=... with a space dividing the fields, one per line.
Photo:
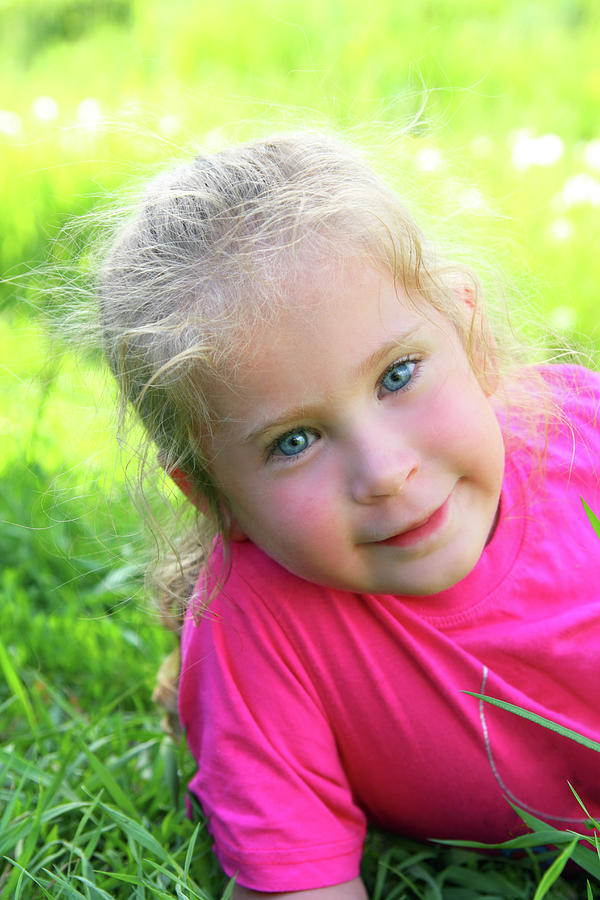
x=91 y=791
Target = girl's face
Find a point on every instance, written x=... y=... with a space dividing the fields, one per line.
x=356 y=446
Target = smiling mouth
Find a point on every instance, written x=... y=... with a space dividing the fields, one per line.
x=423 y=529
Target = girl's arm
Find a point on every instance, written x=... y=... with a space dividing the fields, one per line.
x=349 y=890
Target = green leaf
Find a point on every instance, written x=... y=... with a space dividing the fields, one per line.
x=583 y=856
x=17 y=687
x=554 y=871
x=95 y=893
x=594 y=520
x=14 y=833
x=107 y=779
x=138 y=833
x=539 y=720
x=67 y=886
x=592 y=823
x=190 y=851
x=28 y=875
x=539 y=839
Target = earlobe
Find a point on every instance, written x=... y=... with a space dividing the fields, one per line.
x=181 y=480
x=195 y=496
x=179 y=477
x=483 y=349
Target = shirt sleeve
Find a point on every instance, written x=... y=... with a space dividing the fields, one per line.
x=269 y=778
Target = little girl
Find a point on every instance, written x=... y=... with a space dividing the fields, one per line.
x=393 y=518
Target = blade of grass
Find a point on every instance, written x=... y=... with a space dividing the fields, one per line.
x=94 y=891
x=29 y=847
x=17 y=687
x=228 y=889
x=119 y=876
x=139 y=834
x=195 y=889
x=27 y=874
x=93 y=838
x=539 y=720
x=581 y=855
x=554 y=871
x=540 y=838
x=107 y=779
x=67 y=886
x=481 y=883
x=592 y=821
x=594 y=520
x=15 y=833
x=190 y=851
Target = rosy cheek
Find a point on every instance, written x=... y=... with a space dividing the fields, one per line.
x=459 y=409
x=444 y=417
x=305 y=505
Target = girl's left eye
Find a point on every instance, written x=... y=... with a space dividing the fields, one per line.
x=398 y=375
x=293 y=443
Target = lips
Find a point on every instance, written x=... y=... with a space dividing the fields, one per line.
x=421 y=530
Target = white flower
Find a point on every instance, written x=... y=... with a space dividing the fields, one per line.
x=528 y=150
x=169 y=125
x=561 y=229
x=482 y=145
x=591 y=154
x=45 y=109
x=563 y=318
x=11 y=123
x=89 y=113
x=429 y=159
x=581 y=189
x=471 y=198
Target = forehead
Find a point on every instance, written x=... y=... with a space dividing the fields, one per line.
x=323 y=301
x=333 y=319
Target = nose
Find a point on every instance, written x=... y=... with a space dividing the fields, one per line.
x=380 y=467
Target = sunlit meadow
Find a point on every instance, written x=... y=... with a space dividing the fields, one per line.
x=484 y=115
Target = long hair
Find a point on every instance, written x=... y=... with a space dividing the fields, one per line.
x=204 y=261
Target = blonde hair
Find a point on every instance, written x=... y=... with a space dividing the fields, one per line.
x=207 y=256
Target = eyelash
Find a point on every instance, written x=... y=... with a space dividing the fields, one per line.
x=283 y=458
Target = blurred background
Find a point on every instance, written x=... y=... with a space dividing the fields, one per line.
x=485 y=115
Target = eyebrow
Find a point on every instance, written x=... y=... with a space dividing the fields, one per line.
x=304 y=411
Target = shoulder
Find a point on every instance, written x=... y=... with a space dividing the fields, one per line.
x=575 y=390
x=553 y=437
x=252 y=576
x=244 y=591
x=575 y=393
x=562 y=403
x=566 y=444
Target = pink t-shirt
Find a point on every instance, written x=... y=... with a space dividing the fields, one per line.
x=312 y=712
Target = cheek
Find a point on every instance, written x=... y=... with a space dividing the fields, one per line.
x=291 y=510
x=461 y=424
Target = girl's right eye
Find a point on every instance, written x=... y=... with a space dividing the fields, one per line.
x=293 y=443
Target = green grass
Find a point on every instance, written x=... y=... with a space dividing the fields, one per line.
x=91 y=790
x=182 y=75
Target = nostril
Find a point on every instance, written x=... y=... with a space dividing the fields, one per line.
x=383 y=476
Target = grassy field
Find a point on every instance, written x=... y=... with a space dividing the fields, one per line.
x=486 y=117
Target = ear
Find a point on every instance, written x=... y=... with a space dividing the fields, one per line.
x=183 y=483
x=466 y=294
x=235 y=532
x=484 y=345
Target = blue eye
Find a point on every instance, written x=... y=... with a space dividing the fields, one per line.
x=398 y=375
x=293 y=443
